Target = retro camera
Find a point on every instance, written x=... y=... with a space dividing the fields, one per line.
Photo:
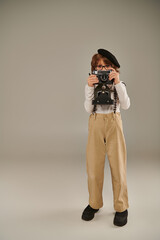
x=102 y=92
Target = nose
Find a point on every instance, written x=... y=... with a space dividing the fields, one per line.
x=103 y=67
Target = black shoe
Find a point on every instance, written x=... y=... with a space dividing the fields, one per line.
x=88 y=213
x=120 y=218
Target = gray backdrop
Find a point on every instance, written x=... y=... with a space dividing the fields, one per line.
x=46 y=50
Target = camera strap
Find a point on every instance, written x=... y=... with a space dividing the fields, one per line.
x=115 y=100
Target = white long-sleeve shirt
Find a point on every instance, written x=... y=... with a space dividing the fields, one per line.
x=123 y=102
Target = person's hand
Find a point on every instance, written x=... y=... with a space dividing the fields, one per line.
x=92 y=79
x=114 y=75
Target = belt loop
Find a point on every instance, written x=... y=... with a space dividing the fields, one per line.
x=95 y=115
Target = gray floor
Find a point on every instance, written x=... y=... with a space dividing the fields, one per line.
x=44 y=199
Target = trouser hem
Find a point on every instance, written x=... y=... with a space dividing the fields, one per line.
x=95 y=205
x=122 y=209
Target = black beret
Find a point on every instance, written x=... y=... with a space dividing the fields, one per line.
x=109 y=55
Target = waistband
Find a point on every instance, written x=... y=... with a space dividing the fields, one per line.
x=104 y=115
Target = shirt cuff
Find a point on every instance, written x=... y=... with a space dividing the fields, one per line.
x=90 y=87
x=119 y=86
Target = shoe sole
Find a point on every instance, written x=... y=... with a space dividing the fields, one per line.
x=119 y=224
x=87 y=219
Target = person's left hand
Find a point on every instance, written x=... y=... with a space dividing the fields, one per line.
x=114 y=75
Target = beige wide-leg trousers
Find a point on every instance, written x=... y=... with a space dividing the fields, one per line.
x=105 y=136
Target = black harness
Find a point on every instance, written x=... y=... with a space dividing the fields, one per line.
x=115 y=101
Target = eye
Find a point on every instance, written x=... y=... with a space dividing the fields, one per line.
x=107 y=65
x=99 y=66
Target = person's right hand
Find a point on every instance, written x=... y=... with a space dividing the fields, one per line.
x=92 y=79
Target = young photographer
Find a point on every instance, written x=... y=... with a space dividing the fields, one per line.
x=105 y=136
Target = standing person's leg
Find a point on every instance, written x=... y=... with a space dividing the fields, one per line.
x=95 y=160
x=116 y=152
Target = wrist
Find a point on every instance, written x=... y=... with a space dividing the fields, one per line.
x=116 y=82
x=90 y=86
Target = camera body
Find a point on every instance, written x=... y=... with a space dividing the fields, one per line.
x=102 y=92
x=103 y=76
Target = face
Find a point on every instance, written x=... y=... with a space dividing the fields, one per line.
x=101 y=64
